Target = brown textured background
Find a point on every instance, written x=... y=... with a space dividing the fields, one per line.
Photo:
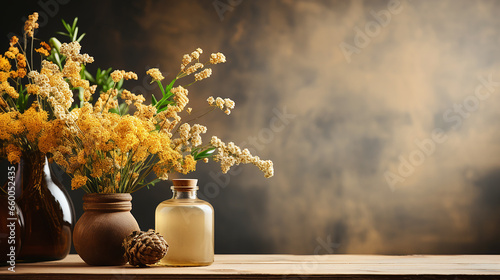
x=353 y=121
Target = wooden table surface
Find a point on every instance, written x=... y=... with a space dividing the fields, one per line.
x=278 y=267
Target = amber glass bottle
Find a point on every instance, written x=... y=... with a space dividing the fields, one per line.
x=187 y=224
x=47 y=210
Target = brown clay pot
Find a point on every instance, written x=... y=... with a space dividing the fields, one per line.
x=99 y=233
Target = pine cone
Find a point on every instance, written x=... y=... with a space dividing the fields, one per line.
x=143 y=248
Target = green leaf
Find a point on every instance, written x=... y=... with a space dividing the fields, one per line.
x=22 y=100
x=205 y=154
x=80 y=96
x=62 y=33
x=75 y=34
x=119 y=84
x=163 y=108
x=56 y=44
x=169 y=87
x=82 y=71
x=66 y=26
x=81 y=37
x=161 y=88
x=58 y=60
x=74 y=23
x=123 y=109
x=88 y=76
x=194 y=151
x=162 y=102
x=153 y=100
x=152 y=183
x=26 y=96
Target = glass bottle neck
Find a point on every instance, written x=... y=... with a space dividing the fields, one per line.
x=184 y=194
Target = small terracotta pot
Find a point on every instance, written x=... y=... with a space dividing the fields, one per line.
x=99 y=233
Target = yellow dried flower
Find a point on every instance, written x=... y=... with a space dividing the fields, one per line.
x=51 y=136
x=71 y=69
x=72 y=52
x=130 y=97
x=195 y=55
x=32 y=89
x=225 y=105
x=33 y=122
x=118 y=177
x=81 y=157
x=211 y=100
x=13 y=153
x=12 y=52
x=155 y=74
x=186 y=59
x=188 y=164
x=145 y=112
x=78 y=181
x=203 y=74
x=216 y=58
x=13 y=40
x=45 y=46
x=180 y=97
x=9 y=126
x=31 y=25
x=219 y=102
x=44 y=49
x=78 y=82
x=7 y=88
x=21 y=60
x=129 y=75
x=4 y=76
x=230 y=154
x=193 y=68
x=117 y=75
x=4 y=64
x=21 y=72
x=229 y=103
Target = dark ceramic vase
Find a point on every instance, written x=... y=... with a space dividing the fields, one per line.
x=46 y=208
x=100 y=231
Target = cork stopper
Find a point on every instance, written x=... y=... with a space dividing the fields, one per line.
x=185 y=184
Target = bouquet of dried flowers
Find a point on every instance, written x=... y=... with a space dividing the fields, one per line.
x=26 y=113
x=107 y=152
x=101 y=147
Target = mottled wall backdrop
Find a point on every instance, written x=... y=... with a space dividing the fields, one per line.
x=382 y=117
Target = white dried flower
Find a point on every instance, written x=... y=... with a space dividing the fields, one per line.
x=203 y=74
x=216 y=58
